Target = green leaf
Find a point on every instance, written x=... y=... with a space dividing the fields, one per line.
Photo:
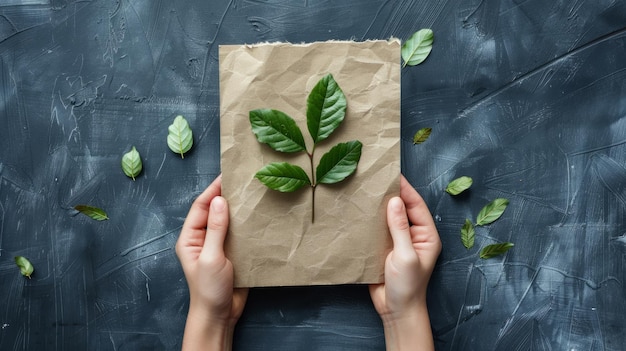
x=180 y=136
x=92 y=212
x=421 y=135
x=283 y=176
x=493 y=250
x=459 y=185
x=416 y=49
x=326 y=108
x=491 y=211
x=131 y=163
x=468 y=234
x=339 y=162
x=26 y=268
x=277 y=130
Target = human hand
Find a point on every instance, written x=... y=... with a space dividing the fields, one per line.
x=214 y=306
x=401 y=299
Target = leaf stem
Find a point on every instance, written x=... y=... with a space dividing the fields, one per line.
x=313 y=184
x=313 y=203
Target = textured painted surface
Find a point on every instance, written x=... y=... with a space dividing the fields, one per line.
x=527 y=97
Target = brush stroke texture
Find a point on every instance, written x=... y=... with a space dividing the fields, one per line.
x=526 y=97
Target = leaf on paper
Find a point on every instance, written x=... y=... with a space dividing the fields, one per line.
x=131 y=163
x=416 y=49
x=26 y=268
x=421 y=135
x=492 y=211
x=338 y=163
x=180 y=136
x=326 y=108
x=494 y=250
x=283 y=176
x=468 y=234
x=459 y=185
x=92 y=212
x=277 y=129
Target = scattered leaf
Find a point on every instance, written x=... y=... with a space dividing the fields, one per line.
x=459 y=185
x=421 y=135
x=416 y=49
x=283 y=176
x=326 y=108
x=277 y=129
x=338 y=163
x=468 y=234
x=492 y=211
x=180 y=136
x=131 y=163
x=26 y=268
x=493 y=250
x=92 y=212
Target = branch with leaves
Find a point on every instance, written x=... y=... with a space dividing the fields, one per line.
x=326 y=109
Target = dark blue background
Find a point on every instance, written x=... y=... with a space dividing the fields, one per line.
x=527 y=97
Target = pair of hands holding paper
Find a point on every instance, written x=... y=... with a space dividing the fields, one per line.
x=215 y=306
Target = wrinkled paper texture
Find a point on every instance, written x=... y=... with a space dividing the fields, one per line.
x=271 y=239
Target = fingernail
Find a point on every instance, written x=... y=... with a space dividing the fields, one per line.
x=395 y=204
x=218 y=204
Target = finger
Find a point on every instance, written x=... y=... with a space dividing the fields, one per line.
x=217 y=226
x=199 y=211
x=417 y=210
x=193 y=231
x=399 y=227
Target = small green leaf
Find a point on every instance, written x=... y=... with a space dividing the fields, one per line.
x=459 y=185
x=416 y=49
x=325 y=109
x=131 y=163
x=180 y=136
x=468 y=234
x=283 y=176
x=277 y=130
x=421 y=135
x=26 y=268
x=92 y=212
x=491 y=211
x=493 y=250
x=339 y=162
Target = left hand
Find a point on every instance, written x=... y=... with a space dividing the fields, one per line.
x=200 y=249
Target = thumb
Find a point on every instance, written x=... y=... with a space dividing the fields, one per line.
x=217 y=226
x=399 y=228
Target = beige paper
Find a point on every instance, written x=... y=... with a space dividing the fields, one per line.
x=271 y=239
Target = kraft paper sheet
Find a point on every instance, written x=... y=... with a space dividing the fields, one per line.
x=271 y=239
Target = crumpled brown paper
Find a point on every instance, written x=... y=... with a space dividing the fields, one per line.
x=271 y=239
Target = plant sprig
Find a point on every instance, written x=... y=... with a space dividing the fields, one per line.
x=326 y=109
